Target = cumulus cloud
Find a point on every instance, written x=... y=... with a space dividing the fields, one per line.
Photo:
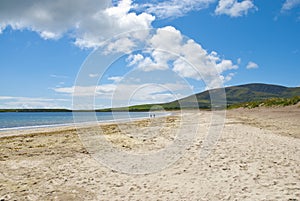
x=228 y=77
x=120 y=45
x=148 y=64
x=234 y=8
x=251 y=65
x=171 y=50
x=134 y=59
x=88 y=21
x=290 y=4
x=225 y=65
x=167 y=55
x=185 y=70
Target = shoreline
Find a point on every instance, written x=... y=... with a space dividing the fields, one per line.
x=71 y=122
x=279 y=120
x=31 y=130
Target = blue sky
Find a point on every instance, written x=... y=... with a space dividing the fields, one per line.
x=43 y=46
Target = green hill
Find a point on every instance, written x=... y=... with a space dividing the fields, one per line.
x=234 y=95
x=247 y=93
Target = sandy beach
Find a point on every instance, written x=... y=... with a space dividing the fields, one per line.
x=256 y=158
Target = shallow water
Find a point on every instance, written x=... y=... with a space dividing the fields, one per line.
x=9 y=120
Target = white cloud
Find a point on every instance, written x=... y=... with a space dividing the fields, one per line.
x=5 y=97
x=239 y=61
x=115 y=78
x=120 y=45
x=290 y=4
x=174 y=8
x=164 y=41
x=93 y=75
x=185 y=57
x=2 y=27
x=167 y=38
x=148 y=91
x=120 y=94
x=49 y=35
x=225 y=65
x=28 y=98
x=29 y=102
x=134 y=59
x=251 y=65
x=149 y=65
x=234 y=8
x=88 y=21
x=59 y=76
x=156 y=93
x=103 y=90
x=228 y=77
x=185 y=70
x=67 y=90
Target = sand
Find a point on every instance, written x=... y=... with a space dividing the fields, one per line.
x=256 y=158
x=279 y=120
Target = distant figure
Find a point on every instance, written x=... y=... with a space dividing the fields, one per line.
x=150 y=115
x=153 y=115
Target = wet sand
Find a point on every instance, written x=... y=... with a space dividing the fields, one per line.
x=256 y=158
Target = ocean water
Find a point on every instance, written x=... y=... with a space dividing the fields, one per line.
x=23 y=120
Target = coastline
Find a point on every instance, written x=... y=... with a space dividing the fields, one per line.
x=25 y=130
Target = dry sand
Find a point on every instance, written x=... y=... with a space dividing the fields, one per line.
x=279 y=120
x=256 y=158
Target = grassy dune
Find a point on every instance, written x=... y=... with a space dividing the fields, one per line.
x=268 y=103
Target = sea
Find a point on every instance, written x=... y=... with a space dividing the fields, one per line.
x=27 y=120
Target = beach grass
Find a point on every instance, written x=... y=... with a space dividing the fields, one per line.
x=272 y=102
